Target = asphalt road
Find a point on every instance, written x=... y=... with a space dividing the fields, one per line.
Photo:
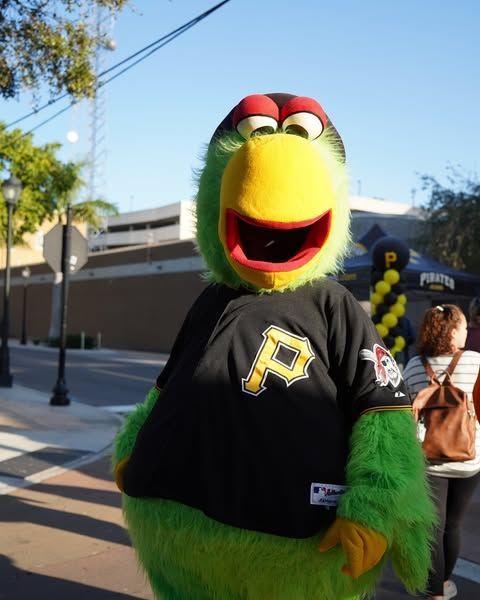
x=99 y=378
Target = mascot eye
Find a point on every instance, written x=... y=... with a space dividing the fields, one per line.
x=304 y=124
x=254 y=125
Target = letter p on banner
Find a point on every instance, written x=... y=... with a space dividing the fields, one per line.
x=267 y=362
x=390 y=258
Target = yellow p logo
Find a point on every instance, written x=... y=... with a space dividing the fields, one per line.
x=390 y=257
x=267 y=361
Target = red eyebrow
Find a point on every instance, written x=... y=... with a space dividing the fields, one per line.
x=303 y=104
x=256 y=104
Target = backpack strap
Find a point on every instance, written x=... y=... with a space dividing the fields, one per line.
x=453 y=363
x=429 y=370
x=448 y=371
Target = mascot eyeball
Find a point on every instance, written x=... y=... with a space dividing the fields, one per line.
x=275 y=457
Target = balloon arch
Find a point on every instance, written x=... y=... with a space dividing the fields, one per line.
x=388 y=300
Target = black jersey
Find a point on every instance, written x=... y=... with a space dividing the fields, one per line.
x=258 y=400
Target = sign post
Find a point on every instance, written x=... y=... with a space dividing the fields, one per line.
x=65 y=250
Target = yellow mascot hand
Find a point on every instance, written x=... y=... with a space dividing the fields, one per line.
x=363 y=547
x=118 y=472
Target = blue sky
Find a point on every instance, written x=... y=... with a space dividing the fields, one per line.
x=400 y=81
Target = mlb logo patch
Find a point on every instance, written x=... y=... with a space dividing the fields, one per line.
x=326 y=494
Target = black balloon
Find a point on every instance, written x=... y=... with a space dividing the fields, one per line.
x=396 y=331
x=376 y=276
x=382 y=309
x=390 y=253
x=389 y=341
x=376 y=319
x=390 y=298
x=398 y=288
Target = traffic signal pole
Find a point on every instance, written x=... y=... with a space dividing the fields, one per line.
x=60 y=391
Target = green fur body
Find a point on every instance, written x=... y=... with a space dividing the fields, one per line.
x=189 y=556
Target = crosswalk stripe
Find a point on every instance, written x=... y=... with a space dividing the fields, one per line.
x=13 y=444
x=121 y=409
x=126 y=375
x=468 y=570
x=10 y=484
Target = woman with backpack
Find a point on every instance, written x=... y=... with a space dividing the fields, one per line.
x=454 y=472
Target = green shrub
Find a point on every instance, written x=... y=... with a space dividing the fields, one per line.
x=74 y=340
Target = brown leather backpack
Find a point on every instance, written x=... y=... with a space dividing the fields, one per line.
x=448 y=416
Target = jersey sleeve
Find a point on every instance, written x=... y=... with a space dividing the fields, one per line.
x=364 y=371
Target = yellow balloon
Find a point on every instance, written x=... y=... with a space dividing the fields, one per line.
x=373 y=309
x=391 y=276
x=400 y=342
x=389 y=320
x=382 y=287
x=394 y=350
x=382 y=330
x=398 y=310
x=376 y=298
x=401 y=299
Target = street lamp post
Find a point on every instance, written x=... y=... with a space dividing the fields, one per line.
x=25 y=274
x=11 y=189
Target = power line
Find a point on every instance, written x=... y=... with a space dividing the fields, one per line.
x=156 y=45
x=185 y=28
x=54 y=116
x=36 y=110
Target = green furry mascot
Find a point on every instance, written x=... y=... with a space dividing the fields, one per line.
x=276 y=456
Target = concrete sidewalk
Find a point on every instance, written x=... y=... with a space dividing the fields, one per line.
x=38 y=440
x=63 y=537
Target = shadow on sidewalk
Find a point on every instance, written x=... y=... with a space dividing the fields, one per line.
x=16 y=509
x=83 y=494
x=17 y=584
x=96 y=493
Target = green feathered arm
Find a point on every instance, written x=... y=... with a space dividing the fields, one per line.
x=387 y=491
x=126 y=437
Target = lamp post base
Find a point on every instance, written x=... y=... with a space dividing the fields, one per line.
x=6 y=377
x=6 y=380
x=60 y=395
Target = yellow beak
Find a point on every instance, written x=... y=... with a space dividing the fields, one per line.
x=276 y=186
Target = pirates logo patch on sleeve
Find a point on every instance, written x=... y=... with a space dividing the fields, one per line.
x=386 y=369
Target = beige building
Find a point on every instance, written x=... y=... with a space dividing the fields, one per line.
x=31 y=251
x=176 y=222
x=396 y=218
x=151 y=226
x=136 y=293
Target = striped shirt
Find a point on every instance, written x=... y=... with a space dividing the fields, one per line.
x=464 y=377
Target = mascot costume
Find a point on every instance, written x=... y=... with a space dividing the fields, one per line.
x=276 y=456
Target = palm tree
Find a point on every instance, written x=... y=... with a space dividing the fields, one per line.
x=68 y=183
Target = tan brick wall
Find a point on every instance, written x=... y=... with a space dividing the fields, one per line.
x=142 y=313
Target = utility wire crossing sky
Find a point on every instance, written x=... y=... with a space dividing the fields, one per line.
x=398 y=80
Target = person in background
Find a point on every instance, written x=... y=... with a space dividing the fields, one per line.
x=409 y=332
x=442 y=333
x=473 y=331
